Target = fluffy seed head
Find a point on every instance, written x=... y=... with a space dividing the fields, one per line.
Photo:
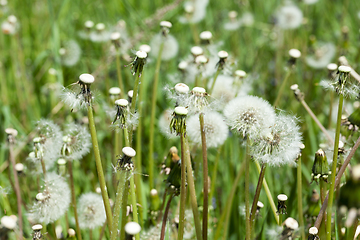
x=289 y=17
x=70 y=53
x=91 y=211
x=114 y=91
x=77 y=143
x=216 y=130
x=323 y=54
x=249 y=115
x=170 y=46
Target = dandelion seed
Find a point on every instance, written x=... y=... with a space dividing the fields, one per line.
x=91 y=211
x=289 y=17
x=249 y=115
x=216 y=130
x=53 y=202
x=76 y=142
x=164 y=122
x=281 y=145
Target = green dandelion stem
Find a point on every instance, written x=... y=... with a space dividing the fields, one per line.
x=269 y=196
x=299 y=197
x=182 y=189
x=247 y=191
x=133 y=101
x=215 y=77
x=99 y=166
x=152 y=117
x=333 y=168
x=282 y=87
x=73 y=199
x=124 y=207
x=162 y=236
x=256 y=197
x=118 y=204
x=214 y=173
x=193 y=200
x=134 y=203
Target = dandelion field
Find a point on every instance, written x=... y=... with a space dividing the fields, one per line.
x=242 y=121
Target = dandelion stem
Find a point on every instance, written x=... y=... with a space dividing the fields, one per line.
x=17 y=190
x=73 y=199
x=43 y=167
x=322 y=198
x=162 y=236
x=215 y=77
x=118 y=70
x=299 y=197
x=182 y=189
x=333 y=169
x=123 y=207
x=152 y=117
x=282 y=87
x=133 y=101
x=337 y=182
x=118 y=204
x=193 y=201
x=256 y=197
x=269 y=196
x=133 y=202
x=247 y=191
x=313 y=116
x=99 y=165
x=205 y=176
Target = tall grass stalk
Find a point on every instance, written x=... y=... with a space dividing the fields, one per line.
x=182 y=188
x=205 y=176
x=152 y=117
x=73 y=200
x=299 y=197
x=99 y=165
x=282 y=87
x=193 y=200
x=333 y=168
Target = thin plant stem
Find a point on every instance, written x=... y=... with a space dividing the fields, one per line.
x=313 y=116
x=214 y=173
x=256 y=197
x=99 y=165
x=134 y=203
x=43 y=167
x=133 y=101
x=194 y=33
x=215 y=77
x=73 y=199
x=282 y=87
x=333 y=169
x=247 y=191
x=352 y=230
x=193 y=201
x=16 y=189
x=182 y=188
x=118 y=70
x=123 y=207
x=205 y=176
x=337 y=182
x=322 y=198
x=299 y=197
x=162 y=236
x=118 y=204
x=162 y=206
x=268 y=195
x=226 y=214
x=152 y=117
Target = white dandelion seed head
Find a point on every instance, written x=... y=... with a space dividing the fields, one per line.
x=196 y=51
x=152 y=233
x=170 y=48
x=89 y=24
x=115 y=36
x=100 y=34
x=216 y=130
x=247 y=19
x=282 y=143
x=164 y=124
x=323 y=55
x=71 y=53
x=91 y=211
x=273 y=233
x=289 y=17
x=72 y=99
x=54 y=202
x=249 y=115
x=313 y=231
x=196 y=11
x=79 y=142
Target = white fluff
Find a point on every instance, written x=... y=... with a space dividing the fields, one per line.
x=171 y=46
x=289 y=17
x=91 y=211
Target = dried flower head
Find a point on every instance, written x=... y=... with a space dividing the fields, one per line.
x=250 y=116
x=91 y=211
x=77 y=142
x=281 y=144
x=125 y=162
x=216 y=130
x=53 y=202
x=178 y=122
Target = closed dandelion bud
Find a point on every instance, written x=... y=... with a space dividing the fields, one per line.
x=223 y=55
x=298 y=94
x=91 y=211
x=121 y=112
x=137 y=65
x=131 y=229
x=37 y=232
x=178 y=122
x=205 y=37
x=313 y=231
x=281 y=207
x=114 y=93
x=320 y=169
x=154 y=200
x=125 y=162
x=294 y=55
